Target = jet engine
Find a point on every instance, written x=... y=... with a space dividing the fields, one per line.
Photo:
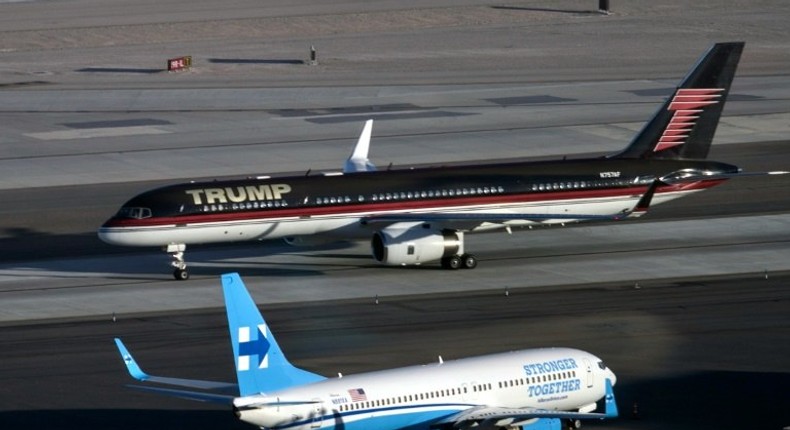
x=409 y=244
x=271 y=413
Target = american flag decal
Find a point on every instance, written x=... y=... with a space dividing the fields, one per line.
x=687 y=104
x=357 y=395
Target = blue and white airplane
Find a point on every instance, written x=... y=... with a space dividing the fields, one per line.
x=528 y=389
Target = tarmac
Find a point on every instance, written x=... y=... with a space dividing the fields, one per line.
x=689 y=305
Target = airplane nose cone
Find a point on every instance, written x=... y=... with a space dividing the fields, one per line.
x=115 y=236
x=106 y=236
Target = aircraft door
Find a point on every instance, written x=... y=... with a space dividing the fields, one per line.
x=317 y=414
x=588 y=366
x=472 y=393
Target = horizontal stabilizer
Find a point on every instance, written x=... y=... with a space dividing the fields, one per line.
x=686 y=177
x=137 y=373
x=188 y=395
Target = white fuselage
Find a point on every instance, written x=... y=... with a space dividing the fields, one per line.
x=416 y=397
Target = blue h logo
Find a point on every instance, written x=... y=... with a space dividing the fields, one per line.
x=249 y=347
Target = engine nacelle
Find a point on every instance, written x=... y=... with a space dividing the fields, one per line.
x=414 y=244
x=260 y=412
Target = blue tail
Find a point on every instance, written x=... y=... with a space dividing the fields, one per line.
x=609 y=402
x=261 y=366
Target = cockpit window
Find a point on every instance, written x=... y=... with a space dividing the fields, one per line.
x=134 y=213
x=601 y=365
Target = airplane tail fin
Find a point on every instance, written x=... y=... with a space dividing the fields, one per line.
x=358 y=161
x=610 y=405
x=261 y=366
x=685 y=124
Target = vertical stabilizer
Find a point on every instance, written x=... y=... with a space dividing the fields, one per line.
x=610 y=404
x=685 y=124
x=261 y=366
x=358 y=161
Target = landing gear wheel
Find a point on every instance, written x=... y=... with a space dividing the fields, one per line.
x=452 y=262
x=468 y=261
x=176 y=251
x=573 y=424
x=181 y=274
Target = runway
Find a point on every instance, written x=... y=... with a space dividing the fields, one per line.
x=680 y=349
x=688 y=305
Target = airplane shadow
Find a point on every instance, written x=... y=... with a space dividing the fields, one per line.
x=119 y=70
x=253 y=61
x=699 y=401
x=120 y=419
x=543 y=9
x=706 y=400
x=21 y=84
x=54 y=253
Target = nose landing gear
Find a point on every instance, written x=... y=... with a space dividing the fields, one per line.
x=176 y=251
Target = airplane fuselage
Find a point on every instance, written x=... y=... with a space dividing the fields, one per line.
x=554 y=379
x=337 y=205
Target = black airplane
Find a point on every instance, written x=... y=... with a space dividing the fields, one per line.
x=420 y=215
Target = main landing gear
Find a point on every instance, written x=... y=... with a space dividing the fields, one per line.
x=465 y=261
x=461 y=260
x=176 y=251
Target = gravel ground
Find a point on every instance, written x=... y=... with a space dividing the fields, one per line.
x=381 y=42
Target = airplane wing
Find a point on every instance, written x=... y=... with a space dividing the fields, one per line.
x=486 y=416
x=471 y=219
x=188 y=395
x=137 y=373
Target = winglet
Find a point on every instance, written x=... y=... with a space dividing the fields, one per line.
x=358 y=160
x=609 y=401
x=644 y=202
x=131 y=365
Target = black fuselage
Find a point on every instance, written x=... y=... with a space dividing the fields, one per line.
x=405 y=190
